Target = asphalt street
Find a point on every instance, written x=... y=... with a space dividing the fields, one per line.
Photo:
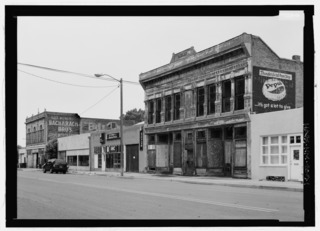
x=69 y=196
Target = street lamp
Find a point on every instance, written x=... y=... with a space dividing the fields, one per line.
x=121 y=116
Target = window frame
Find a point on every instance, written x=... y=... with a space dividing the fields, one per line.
x=280 y=145
x=150 y=111
x=200 y=101
x=211 y=98
x=226 y=97
x=158 y=110
x=168 y=108
x=239 y=94
x=176 y=106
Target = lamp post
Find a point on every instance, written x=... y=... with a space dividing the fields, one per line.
x=121 y=117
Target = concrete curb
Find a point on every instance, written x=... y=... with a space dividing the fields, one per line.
x=190 y=181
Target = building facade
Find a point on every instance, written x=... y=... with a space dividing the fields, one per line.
x=277 y=145
x=105 y=152
x=47 y=126
x=198 y=106
x=75 y=151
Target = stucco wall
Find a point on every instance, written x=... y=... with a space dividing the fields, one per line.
x=272 y=123
x=74 y=142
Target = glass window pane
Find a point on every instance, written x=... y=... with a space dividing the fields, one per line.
x=264 y=140
x=274 y=149
x=283 y=159
x=274 y=159
x=291 y=139
x=298 y=139
x=264 y=150
x=284 y=149
x=284 y=139
x=265 y=159
x=274 y=139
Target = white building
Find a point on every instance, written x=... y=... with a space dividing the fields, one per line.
x=277 y=145
x=75 y=150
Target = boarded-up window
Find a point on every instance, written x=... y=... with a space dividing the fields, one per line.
x=151 y=158
x=188 y=103
x=201 y=155
x=215 y=153
x=177 y=154
x=240 y=153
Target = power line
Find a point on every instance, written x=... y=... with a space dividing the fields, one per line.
x=75 y=85
x=99 y=100
x=76 y=73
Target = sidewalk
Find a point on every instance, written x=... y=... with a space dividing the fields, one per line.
x=205 y=180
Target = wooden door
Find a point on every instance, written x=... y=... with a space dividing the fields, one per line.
x=132 y=153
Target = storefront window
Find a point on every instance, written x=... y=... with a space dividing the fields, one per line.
x=83 y=160
x=72 y=160
x=274 y=150
x=216 y=133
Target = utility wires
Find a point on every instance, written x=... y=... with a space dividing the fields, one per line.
x=70 y=84
x=99 y=101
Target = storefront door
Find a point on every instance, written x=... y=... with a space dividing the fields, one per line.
x=132 y=153
x=189 y=165
x=227 y=157
x=296 y=166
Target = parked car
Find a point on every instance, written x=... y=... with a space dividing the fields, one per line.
x=55 y=165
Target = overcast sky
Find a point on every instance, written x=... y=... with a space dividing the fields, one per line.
x=122 y=47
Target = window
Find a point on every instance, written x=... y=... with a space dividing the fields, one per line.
x=201 y=134
x=176 y=109
x=211 y=99
x=99 y=161
x=274 y=150
x=116 y=160
x=158 y=110
x=216 y=133
x=239 y=93
x=168 y=108
x=240 y=132
x=83 y=160
x=177 y=137
x=151 y=139
x=72 y=160
x=200 y=101
x=226 y=95
x=150 y=112
x=228 y=133
x=295 y=139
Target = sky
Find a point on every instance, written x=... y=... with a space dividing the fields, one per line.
x=122 y=47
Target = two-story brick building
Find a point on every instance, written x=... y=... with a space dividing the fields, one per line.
x=47 y=126
x=198 y=106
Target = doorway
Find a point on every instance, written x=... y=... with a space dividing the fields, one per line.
x=132 y=153
x=296 y=163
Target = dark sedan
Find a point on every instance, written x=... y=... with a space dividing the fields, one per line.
x=55 y=165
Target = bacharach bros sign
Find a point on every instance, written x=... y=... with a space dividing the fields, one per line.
x=273 y=90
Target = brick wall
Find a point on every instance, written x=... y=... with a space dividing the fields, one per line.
x=263 y=56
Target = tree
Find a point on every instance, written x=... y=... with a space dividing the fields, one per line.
x=135 y=115
x=52 y=149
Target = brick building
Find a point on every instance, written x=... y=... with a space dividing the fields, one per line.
x=198 y=106
x=47 y=126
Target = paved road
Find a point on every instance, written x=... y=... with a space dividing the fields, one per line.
x=59 y=196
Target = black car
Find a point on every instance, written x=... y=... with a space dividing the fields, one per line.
x=55 y=165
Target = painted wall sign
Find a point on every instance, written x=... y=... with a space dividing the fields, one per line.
x=113 y=136
x=273 y=90
x=62 y=125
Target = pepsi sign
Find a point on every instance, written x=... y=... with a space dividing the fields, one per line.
x=273 y=90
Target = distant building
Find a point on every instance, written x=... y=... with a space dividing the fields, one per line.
x=198 y=106
x=22 y=159
x=47 y=126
